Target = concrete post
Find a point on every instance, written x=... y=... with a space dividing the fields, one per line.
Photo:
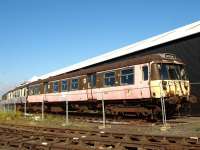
x=104 y=116
x=67 y=113
x=43 y=109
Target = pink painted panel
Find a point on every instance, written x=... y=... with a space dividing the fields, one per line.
x=77 y=95
x=145 y=92
x=35 y=98
x=121 y=92
x=109 y=93
x=54 y=97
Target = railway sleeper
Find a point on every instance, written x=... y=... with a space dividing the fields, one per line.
x=37 y=145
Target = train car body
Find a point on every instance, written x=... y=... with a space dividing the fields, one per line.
x=19 y=94
x=133 y=85
x=121 y=84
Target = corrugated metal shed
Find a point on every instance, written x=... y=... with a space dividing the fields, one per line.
x=179 y=33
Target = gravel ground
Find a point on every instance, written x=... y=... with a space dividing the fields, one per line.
x=180 y=126
x=187 y=126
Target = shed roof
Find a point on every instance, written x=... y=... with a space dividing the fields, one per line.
x=138 y=46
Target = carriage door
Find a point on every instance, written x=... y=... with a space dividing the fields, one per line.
x=144 y=83
x=91 y=78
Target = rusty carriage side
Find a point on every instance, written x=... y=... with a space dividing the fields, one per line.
x=131 y=86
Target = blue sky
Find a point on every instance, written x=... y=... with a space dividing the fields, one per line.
x=39 y=36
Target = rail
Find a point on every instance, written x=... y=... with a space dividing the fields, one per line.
x=32 y=137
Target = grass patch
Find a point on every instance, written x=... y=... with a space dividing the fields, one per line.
x=10 y=115
x=50 y=120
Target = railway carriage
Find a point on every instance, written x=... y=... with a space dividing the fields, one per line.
x=131 y=86
x=128 y=86
x=18 y=94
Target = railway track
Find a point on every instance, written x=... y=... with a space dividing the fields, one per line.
x=97 y=118
x=25 y=137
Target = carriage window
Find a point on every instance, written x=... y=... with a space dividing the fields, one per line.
x=34 y=90
x=74 y=85
x=24 y=92
x=17 y=93
x=46 y=87
x=55 y=86
x=92 y=80
x=109 y=79
x=127 y=76
x=145 y=73
x=37 y=90
x=30 y=91
x=64 y=85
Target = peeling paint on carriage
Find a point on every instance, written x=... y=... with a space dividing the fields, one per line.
x=170 y=88
x=139 y=84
